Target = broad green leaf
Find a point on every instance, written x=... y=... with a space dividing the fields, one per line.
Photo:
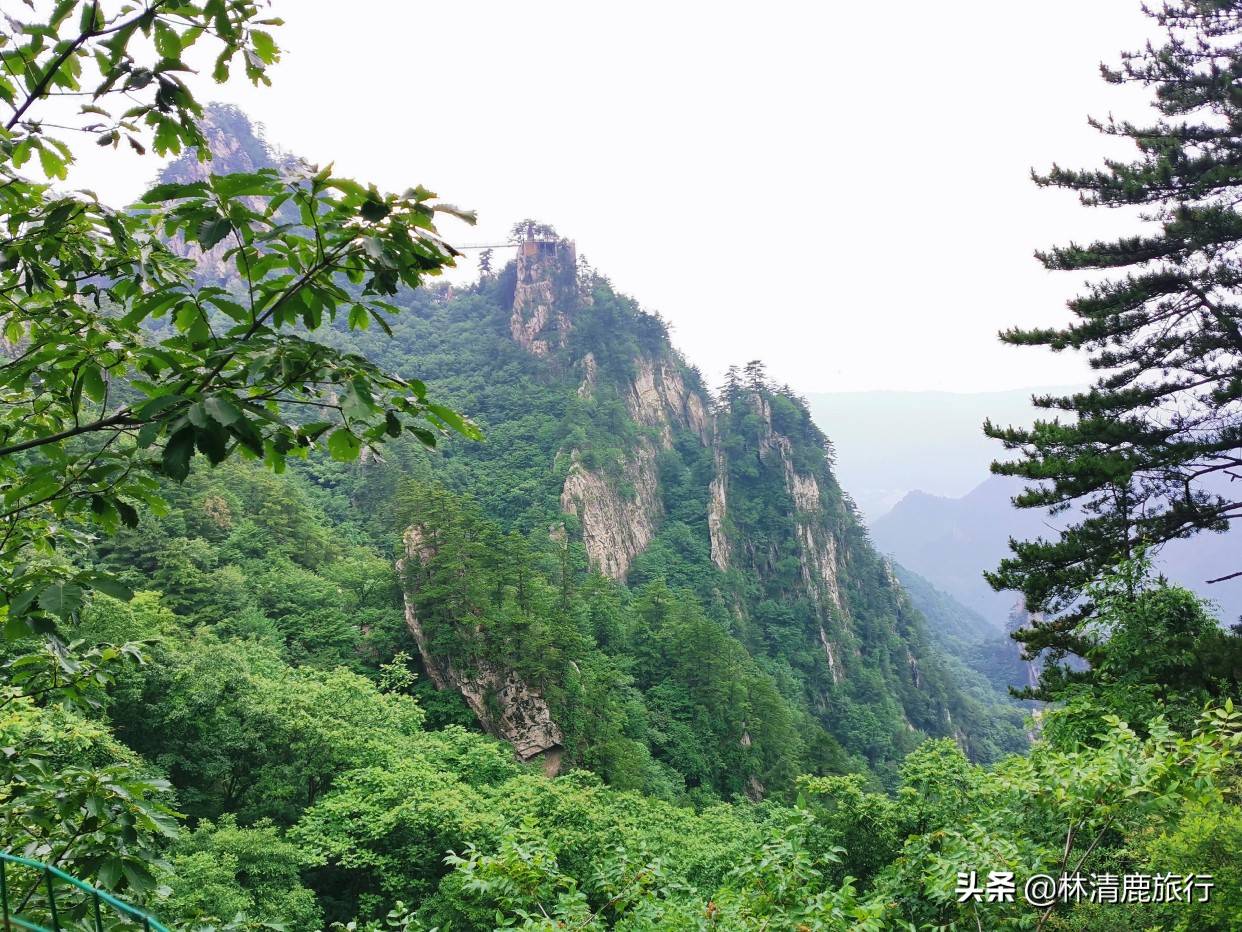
x=175 y=191
x=343 y=445
x=177 y=454
x=93 y=382
x=222 y=410
x=61 y=599
x=212 y=230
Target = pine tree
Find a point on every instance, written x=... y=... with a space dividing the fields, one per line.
x=1150 y=451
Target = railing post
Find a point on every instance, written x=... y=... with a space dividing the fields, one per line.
x=98 y=918
x=4 y=897
x=51 y=898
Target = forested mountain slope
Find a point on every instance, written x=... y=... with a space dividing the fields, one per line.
x=289 y=642
x=629 y=573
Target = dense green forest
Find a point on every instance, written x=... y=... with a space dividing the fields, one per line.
x=339 y=598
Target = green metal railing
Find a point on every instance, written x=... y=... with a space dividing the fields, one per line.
x=90 y=909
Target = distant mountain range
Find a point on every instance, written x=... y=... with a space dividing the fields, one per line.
x=891 y=443
x=916 y=464
x=951 y=541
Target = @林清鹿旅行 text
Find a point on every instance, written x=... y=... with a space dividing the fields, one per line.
x=1042 y=890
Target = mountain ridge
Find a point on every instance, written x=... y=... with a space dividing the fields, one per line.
x=635 y=490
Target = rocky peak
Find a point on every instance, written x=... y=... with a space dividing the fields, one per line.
x=234 y=144
x=545 y=288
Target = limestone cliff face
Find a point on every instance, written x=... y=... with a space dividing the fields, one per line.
x=540 y=321
x=816 y=538
x=717 y=511
x=616 y=527
x=619 y=509
x=507 y=707
x=658 y=398
x=619 y=519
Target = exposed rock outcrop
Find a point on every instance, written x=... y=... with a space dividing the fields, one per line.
x=506 y=706
x=615 y=527
x=1019 y=618
x=620 y=518
x=658 y=398
x=830 y=652
x=717 y=509
x=545 y=282
x=590 y=369
x=817 y=543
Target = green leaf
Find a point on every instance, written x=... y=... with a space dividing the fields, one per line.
x=357 y=403
x=128 y=513
x=264 y=45
x=93 y=382
x=157 y=404
x=374 y=210
x=21 y=602
x=245 y=184
x=109 y=873
x=222 y=410
x=212 y=230
x=52 y=163
x=343 y=445
x=61 y=599
x=175 y=191
x=455 y=421
x=14 y=330
x=177 y=454
x=213 y=442
x=110 y=585
x=92 y=17
x=167 y=42
x=197 y=414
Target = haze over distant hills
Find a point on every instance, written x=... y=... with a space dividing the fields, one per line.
x=951 y=541
x=916 y=463
x=892 y=443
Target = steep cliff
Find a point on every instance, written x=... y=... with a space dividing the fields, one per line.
x=619 y=510
x=546 y=280
x=620 y=513
x=730 y=499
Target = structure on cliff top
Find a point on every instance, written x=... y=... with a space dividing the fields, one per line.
x=546 y=275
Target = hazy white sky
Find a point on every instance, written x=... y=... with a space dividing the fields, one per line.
x=840 y=189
